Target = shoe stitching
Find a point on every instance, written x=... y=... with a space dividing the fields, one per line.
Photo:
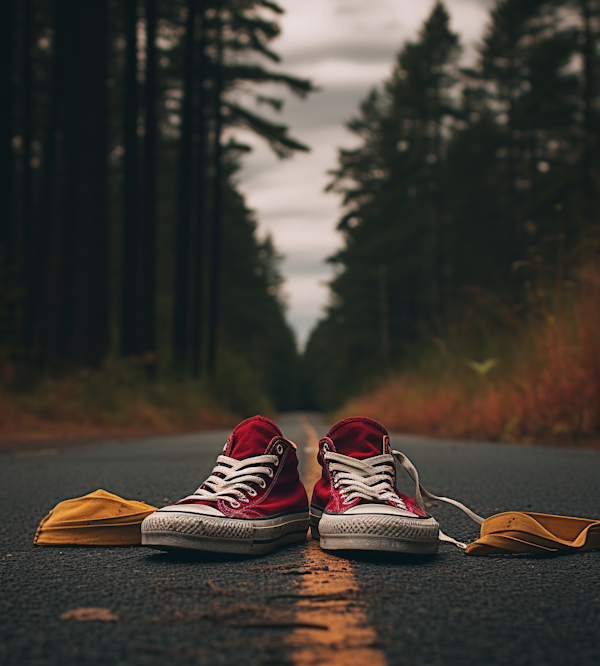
x=357 y=419
x=264 y=419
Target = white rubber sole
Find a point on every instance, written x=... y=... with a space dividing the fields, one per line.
x=375 y=532
x=168 y=530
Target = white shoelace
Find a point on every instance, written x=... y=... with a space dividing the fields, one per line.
x=373 y=479
x=229 y=481
x=370 y=479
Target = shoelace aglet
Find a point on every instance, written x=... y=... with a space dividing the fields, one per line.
x=448 y=539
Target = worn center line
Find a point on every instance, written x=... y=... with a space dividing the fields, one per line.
x=329 y=596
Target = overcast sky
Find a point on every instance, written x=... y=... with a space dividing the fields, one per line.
x=346 y=47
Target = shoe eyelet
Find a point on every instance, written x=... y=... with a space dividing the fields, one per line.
x=235 y=504
x=270 y=473
x=245 y=499
x=263 y=484
x=279 y=449
x=252 y=493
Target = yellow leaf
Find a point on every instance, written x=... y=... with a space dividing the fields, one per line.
x=483 y=368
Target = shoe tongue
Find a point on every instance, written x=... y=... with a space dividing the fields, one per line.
x=358 y=437
x=252 y=436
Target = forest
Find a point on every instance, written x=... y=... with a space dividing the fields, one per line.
x=471 y=214
x=126 y=247
x=130 y=264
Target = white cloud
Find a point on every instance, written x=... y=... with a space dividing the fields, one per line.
x=305 y=291
x=335 y=72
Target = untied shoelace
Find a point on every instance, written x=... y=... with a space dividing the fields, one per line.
x=373 y=479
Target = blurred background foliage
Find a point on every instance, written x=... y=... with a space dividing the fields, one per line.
x=471 y=205
x=126 y=246
x=470 y=223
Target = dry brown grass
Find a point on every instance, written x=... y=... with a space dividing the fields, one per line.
x=111 y=402
x=550 y=393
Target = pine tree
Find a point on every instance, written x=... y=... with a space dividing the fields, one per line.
x=253 y=317
x=392 y=271
x=225 y=36
x=129 y=343
x=461 y=180
x=589 y=119
x=523 y=61
x=8 y=227
x=113 y=127
x=147 y=307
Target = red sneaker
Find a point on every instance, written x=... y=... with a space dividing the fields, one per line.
x=356 y=504
x=252 y=502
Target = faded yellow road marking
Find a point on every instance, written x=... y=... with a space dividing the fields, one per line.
x=329 y=596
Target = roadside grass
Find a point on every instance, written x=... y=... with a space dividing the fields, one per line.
x=545 y=389
x=118 y=399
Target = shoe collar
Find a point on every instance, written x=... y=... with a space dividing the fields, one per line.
x=251 y=437
x=358 y=437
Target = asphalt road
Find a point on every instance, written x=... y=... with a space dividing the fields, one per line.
x=436 y=611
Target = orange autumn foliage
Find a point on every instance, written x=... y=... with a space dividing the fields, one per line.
x=550 y=393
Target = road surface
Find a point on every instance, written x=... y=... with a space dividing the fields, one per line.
x=299 y=605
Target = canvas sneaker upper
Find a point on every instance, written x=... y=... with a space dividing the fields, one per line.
x=253 y=500
x=255 y=477
x=359 y=471
x=356 y=503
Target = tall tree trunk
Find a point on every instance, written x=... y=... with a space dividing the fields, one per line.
x=384 y=319
x=66 y=242
x=513 y=249
x=84 y=241
x=91 y=342
x=199 y=263
x=439 y=215
x=7 y=65
x=8 y=250
x=130 y=223
x=216 y=217
x=148 y=241
x=589 y=138
x=46 y=202
x=181 y=281
x=27 y=217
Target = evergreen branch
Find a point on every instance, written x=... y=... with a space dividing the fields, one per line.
x=258 y=32
x=273 y=102
x=276 y=135
x=251 y=24
x=234 y=146
x=257 y=74
x=272 y=6
x=257 y=46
